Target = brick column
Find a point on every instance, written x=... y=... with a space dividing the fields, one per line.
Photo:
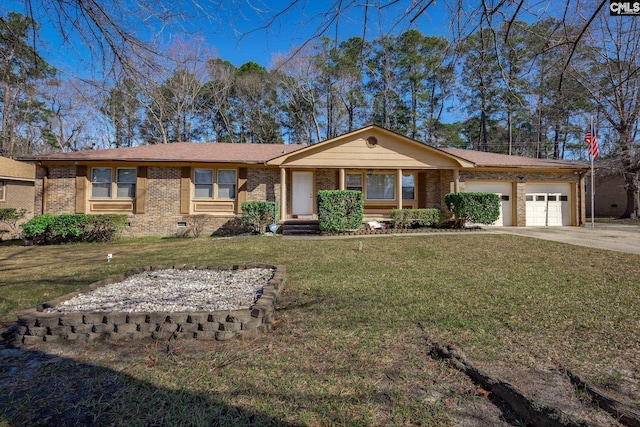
x=521 y=204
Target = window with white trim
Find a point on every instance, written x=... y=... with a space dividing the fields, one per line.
x=109 y=182
x=2 y=190
x=217 y=184
x=381 y=186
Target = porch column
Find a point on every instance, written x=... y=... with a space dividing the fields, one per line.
x=283 y=194
x=456 y=181
x=399 y=188
x=343 y=178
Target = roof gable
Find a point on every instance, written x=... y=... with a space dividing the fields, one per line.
x=371 y=147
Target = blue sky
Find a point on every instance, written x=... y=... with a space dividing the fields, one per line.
x=232 y=28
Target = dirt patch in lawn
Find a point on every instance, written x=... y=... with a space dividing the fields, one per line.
x=100 y=383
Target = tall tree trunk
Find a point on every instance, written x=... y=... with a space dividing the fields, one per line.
x=556 y=140
x=483 y=126
x=510 y=131
x=5 y=144
x=632 y=186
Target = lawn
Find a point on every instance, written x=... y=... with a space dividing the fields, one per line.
x=349 y=344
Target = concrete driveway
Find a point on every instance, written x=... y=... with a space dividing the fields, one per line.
x=613 y=237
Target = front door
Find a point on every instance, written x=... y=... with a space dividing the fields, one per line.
x=302 y=202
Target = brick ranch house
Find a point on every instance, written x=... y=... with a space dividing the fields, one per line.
x=160 y=186
x=17 y=187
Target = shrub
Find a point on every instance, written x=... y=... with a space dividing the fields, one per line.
x=37 y=228
x=411 y=218
x=481 y=208
x=340 y=210
x=258 y=215
x=103 y=227
x=68 y=227
x=9 y=217
x=73 y=228
x=196 y=224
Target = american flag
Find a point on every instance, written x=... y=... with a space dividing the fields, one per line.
x=592 y=143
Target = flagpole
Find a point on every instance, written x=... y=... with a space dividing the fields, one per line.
x=593 y=194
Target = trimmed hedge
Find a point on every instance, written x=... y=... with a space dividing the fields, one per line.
x=481 y=208
x=258 y=215
x=63 y=228
x=412 y=218
x=340 y=210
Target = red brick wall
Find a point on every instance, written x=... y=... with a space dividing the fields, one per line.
x=61 y=190
x=327 y=179
x=263 y=184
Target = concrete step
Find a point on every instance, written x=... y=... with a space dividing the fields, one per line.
x=301 y=227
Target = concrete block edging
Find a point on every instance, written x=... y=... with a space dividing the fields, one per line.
x=36 y=326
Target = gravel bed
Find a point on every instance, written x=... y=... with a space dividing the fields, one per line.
x=174 y=291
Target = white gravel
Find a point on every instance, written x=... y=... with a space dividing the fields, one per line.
x=174 y=291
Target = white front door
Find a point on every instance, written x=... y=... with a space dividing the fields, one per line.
x=302 y=201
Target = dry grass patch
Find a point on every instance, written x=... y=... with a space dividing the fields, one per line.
x=349 y=346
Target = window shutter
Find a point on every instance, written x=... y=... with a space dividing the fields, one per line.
x=141 y=190
x=81 y=189
x=242 y=188
x=185 y=191
x=421 y=190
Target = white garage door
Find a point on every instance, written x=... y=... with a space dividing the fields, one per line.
x=502 y=189
x=548 y=205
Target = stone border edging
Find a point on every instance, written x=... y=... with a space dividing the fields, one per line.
x=391 y=231
x=35 y=326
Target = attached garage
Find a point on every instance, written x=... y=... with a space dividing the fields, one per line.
x=548 y=205
x=504 y=189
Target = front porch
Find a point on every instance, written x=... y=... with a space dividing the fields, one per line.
x=383 y=189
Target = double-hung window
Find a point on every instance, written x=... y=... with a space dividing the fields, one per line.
x=408 y=186
x=226 y=184
x=354 y=181
x=125 y=183
x=107 y=182
x=381 y=186
x=2 y=189
x=203 y=180
x=215 y=184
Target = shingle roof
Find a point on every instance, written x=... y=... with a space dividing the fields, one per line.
x=17 y=170
x=481 y=158
x=218 y=152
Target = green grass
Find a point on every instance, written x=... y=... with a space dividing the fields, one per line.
x=349 y=345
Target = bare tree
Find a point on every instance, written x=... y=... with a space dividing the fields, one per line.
x=299 y=95
x=613 y=80
x=172 y=98
x=216 y=98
